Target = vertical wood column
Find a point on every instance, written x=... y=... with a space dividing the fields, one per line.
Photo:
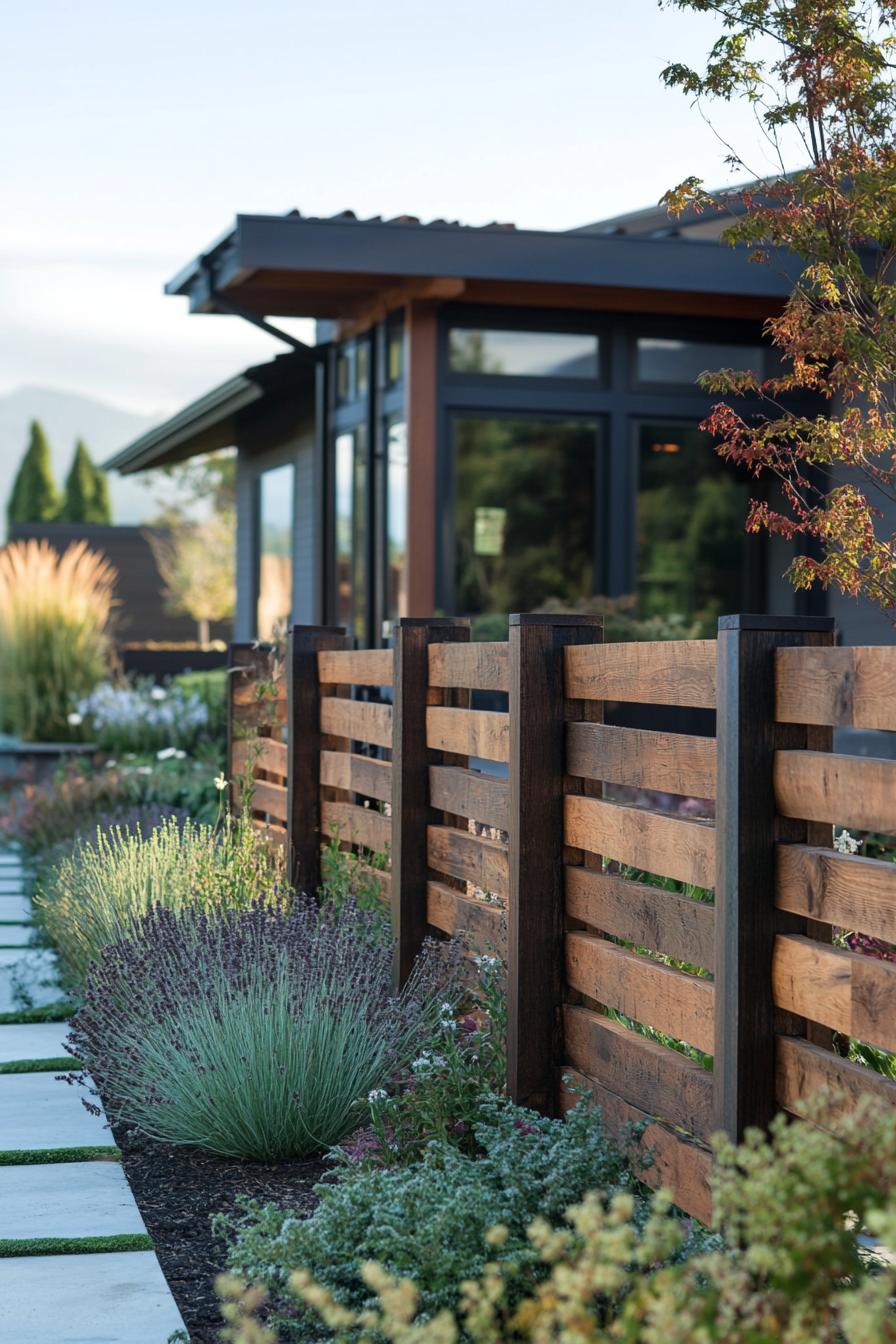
x=747 y=829
x=535 y=914
x=421 y=346
x=304 y=747
x=411 y=811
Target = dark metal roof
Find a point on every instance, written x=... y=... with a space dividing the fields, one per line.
x=209 y=423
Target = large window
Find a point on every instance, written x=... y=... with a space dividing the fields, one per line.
x=524 y=511
x=694 y=558
x=396 y=518
x=667 y=361
x=275 y=537
x=351 y=529
x=524 y=354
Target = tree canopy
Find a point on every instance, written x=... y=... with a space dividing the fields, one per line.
x=34 y=497
x=86 y=497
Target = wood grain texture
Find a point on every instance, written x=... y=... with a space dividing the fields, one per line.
x=260 y=753
x=357 y=774
x=667 y=672
x=843 y=889
x=272 y=799
x=355 y=667
x=357 y=825
x=657 y=1080
x=662 y=921
x=468 y=732
x=668 y=846
x=668 y=762
x=853 y=791
x=803 y=1069
x=453 y=912
x=469 y=857
x=850 y=993
x=356 y=719
x=649 y=991
x=677 y=1163
x=468 y=793
x=845 y=688
x=478 y=667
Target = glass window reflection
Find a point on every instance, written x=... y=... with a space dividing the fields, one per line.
x=525 y=354
x=276 y=518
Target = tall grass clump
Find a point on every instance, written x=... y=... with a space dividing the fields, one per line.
x=97 y=895
x=54 y=635
x=255 y=1033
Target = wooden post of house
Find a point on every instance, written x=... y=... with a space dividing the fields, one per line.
x=411 y=811
x=747 y=829
x=304 y=745
x=535 y=917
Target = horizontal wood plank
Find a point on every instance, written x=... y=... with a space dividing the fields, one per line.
x=668 y=762
x=276 y=836
x=657 y=1080
x=258 y=714
x=260 y=753
x=453 y=912
x=355 y=667
x=359 y=774
x=847 y=890
x=246 y=690
x=853 y=994
x=677 y=1163
x=476 y=666
x=270 y=798
x=467 y=793
x=357 y=825
x=802 y=1070
x=652 y=993
x=471 y=858
x=647 y=916
x=666 y=845
x=468 y=732
x=358 y=720
x=845 y=688
x=663 y=672
x=855 y=791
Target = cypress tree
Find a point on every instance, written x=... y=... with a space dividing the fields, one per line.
x=86 y=490
x=102 y=505
x=34 y=497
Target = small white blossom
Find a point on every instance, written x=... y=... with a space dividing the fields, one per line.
x=378 y=1094
x=158 y=694
x=110 y=765
x=75 y=718
x=180 y=755
x=166 y=753
x=846 y=843
x=220 y=782
x=144 y=769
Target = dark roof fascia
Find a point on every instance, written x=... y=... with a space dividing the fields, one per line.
x=348 y=246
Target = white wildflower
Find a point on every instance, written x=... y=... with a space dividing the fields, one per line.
x=220 y=782
x=180 y=755
x=144 y=769
x=75 y=718
x=166 y=753
x=378 y=1094
x=846 y=843
x=157 y=693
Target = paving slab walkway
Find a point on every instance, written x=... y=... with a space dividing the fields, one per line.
x=48 y=1203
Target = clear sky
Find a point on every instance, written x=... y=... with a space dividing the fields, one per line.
x=131 y=133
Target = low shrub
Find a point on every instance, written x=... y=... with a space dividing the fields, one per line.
x=97 y=894
x=429 y=1221
x=142 y=717
x=211 y=688
x=349 y=876
x=255 y=1033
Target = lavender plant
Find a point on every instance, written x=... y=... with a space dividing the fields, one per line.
x=142 y=717
x=255 y=1033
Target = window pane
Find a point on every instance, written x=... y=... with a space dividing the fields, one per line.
x=694 y=558
x=344 y=466
x=397 y=518
x=668 y=361
x=276 y=496
x=394 y=350
x=524 y=512
x=361 y=368
x=344 y=374
x=359 y=537
x=529 y=354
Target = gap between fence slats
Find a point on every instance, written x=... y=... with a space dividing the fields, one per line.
x=662 y=921
x=476 y=667
x=467 y=793
x=845 y=688
x=470 y=858
x=355 y=667
x=856 y=791
x=453 y=912
x=357 y=774
x=843 y=889
x=668 y=762
x=850 y=993
x=668 y=846
x=669 y=672
x=357 y=720
x=651 y=992
x=803 y=1069
x=468 y=732
x=356 y=825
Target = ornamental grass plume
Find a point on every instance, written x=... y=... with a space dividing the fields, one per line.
x=253 y=1033
x=54 y=635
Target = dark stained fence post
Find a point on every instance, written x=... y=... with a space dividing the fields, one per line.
x=746 y=831
x=535 y=914
x=411 y=811
x=304 y=746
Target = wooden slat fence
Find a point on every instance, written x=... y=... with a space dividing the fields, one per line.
x=257 y=754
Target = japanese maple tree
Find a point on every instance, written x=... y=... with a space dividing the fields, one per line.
x=819 y=74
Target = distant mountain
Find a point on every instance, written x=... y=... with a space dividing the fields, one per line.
x=66 y=416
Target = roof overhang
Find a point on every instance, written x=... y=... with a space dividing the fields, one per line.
x=290 y=266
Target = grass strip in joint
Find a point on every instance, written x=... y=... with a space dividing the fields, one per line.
x=61 y=1065
x=60 y=1011
x=131 y=1241
x=22 y=1157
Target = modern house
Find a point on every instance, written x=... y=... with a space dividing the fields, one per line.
x=492 y=419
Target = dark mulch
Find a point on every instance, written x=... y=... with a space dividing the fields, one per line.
x=178 y=1190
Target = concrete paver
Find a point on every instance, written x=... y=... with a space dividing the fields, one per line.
x=38 y=1111
x=15 y=908
x=67 y=1199
x=28 y=973
x=32 y=1040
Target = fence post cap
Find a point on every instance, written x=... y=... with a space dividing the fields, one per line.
x=550 y=618
x=800 y=624
x=440 y=622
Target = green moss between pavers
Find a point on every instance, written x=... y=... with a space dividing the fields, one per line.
x=21 y=1157
x=64 y=1062
x=60 y=1011
x=131 y=1241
